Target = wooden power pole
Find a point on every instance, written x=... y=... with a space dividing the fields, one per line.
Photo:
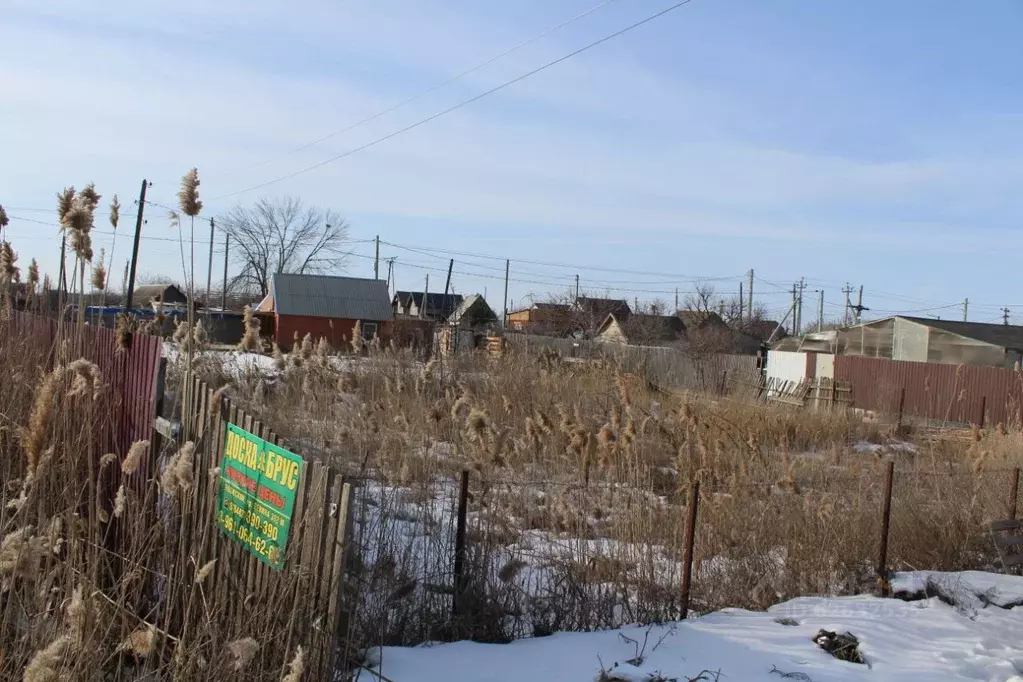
x=209 y=272
x=135 y=247
x=507 y=269
x=227 y=250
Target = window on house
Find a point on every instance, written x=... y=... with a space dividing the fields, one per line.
x=369 y=330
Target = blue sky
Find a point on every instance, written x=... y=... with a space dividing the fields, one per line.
x=872 y=142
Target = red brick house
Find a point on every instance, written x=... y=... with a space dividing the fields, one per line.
x=328 y=307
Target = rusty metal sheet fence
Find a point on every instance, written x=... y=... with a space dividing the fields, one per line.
x=946 y=393
x=130 y=375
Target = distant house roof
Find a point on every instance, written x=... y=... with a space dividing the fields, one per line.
x=473 y=310
x=763 y=329
x=553 y=307
x=267 y=304
x=641 y=328
x=346 y=298
x=1002 y=335
x=698 y=319
x=601 y=306
x=171 y=293
x=440 y=305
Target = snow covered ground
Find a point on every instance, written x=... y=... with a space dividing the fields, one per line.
x=918 y=640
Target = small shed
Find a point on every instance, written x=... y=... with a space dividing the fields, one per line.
x=919 y=339
x=473 y=312
x=640 y=329
x=542 y=318
x=329 y=307
x=437 y=307
x=171 y=295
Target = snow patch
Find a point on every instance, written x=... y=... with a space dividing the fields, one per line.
x=923 y=641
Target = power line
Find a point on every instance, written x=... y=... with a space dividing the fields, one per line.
x=427 y=91
x=459 y=105
x=427 y=251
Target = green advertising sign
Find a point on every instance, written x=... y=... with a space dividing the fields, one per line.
x=258 y=482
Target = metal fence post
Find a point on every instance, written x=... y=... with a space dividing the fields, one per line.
x=886 y=517
x=687 y=570
x=1014 y=495
x=463 y=504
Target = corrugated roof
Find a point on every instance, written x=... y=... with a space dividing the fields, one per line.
x=345 y=298
x=477 y=305
x=1002 y=335
x=436 y=304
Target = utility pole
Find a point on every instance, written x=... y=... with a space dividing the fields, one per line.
x=447 y=284
x=795 y=310
x=1005 y=316
x=426 y=294
x=376 y=264
x=749 y=303
x=507 y=269
x=966 y=308
x=802 y=285
x=209 y=272
x=859 y=305
x=390 y=272
x=845 y=315
x=227 y=250
x=820 y=311
x=135 y=247
x=62 y=280
x=577 y=287
x=740 y=304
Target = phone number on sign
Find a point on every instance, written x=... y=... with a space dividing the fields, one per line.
x=249 y=538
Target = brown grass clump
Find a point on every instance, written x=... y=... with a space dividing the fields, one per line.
x=99 y=273
x=242 y=652
x=203 y=573
x=188 y=196
x=357 y=337
x=141 y=641
x=179 y=475
x=131 y=463
x=42 y=415
x=120 y=500
x=65 y=201
x=86 y=379
x=250 y=340
x=9 y=271
x=115 y=212
x=296 y=667
x=32 y=280
x=49 y=664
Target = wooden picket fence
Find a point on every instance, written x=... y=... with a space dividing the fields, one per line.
x=307 y=595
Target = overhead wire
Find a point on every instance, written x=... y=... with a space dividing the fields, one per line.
x=423 y=93
x=457 y=106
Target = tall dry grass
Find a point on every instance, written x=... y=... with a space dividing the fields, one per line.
x=106 y=568
x=580 y=475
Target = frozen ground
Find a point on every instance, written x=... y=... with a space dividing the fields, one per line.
x=237 y=363
x=920 y=640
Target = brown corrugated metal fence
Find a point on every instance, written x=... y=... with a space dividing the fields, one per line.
x=130 y=375
x=951 y=393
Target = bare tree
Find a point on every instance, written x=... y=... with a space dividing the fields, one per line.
x=284 y=235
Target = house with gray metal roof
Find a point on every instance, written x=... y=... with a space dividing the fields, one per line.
x=329 y=307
